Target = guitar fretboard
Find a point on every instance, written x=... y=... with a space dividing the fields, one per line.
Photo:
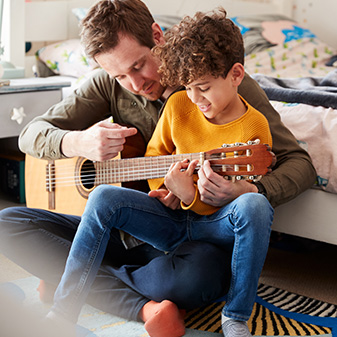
x=131 y=169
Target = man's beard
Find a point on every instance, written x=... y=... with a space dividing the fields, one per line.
x=155 y=94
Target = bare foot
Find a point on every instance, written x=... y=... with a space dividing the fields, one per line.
x=46 y=291
x=163 y=319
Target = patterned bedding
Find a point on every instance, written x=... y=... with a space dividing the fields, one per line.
x=278 y=46
x=306 y=57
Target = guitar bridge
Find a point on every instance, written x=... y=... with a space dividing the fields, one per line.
x=50 y=186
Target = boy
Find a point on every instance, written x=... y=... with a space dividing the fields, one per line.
x=211 y=48
x=205 y=54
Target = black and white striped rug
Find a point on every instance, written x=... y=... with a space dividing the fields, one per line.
x=276 y=313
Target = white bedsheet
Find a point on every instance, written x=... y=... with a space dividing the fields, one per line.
x=315 y=128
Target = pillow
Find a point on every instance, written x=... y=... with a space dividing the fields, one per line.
x=66 y=58
x=264 y=31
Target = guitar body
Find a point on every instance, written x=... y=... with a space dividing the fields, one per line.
x=71 y=195
x=64 y=199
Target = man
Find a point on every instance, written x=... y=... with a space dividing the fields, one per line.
x=119 y=35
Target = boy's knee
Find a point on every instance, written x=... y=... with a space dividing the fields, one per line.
x=100 y=192
x=253 y=201
x=256 y=206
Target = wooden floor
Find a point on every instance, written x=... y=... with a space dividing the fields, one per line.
x=303 y=267
x=10 y=271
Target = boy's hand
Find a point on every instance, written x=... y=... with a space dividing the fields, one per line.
x=216 y=191
x=179 y=180
x=166 y=197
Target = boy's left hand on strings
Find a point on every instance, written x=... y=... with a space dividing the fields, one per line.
x=179 y=180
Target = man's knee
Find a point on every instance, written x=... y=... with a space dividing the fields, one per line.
x=203 y=274
x=8 y=217
x=7 y=213
x=203 y=261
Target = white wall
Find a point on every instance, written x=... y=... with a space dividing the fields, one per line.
x=320 y=16
x=233 y=7
x=11 y=31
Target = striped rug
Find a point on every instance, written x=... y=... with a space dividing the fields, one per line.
x=275 y=313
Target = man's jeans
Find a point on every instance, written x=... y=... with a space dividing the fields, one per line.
x=193 y=275
x=243 y=226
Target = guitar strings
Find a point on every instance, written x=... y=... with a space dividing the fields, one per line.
x=95 y=173
x=108 y=176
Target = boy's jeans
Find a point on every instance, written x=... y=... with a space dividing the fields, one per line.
x=242 y=226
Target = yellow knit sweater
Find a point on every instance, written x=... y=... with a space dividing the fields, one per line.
x=183 y=128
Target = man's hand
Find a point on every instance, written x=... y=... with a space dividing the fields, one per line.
x=166 y=197
x=216 y=191
x=103 y=141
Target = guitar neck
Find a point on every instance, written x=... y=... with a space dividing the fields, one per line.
x=142 y=168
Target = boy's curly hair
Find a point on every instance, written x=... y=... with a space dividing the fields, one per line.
x=206 y=44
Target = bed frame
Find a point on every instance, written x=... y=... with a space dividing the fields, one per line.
x=312 y=214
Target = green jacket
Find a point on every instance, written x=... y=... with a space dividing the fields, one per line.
x=101 y=97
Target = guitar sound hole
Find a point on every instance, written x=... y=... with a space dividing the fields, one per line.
x=88 y=175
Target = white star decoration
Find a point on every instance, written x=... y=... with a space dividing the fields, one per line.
x=18 y=115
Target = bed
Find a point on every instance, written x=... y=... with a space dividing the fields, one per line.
x=281 y=54
x=298 y=72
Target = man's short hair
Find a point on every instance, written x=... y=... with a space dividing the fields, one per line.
x=205 y=44
x=108 y=19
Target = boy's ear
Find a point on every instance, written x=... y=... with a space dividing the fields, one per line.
x=158 y=35
x=238 y=73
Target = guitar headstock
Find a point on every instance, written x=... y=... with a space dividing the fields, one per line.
x=249 y=161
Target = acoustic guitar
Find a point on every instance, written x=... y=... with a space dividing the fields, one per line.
x=64 y=185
